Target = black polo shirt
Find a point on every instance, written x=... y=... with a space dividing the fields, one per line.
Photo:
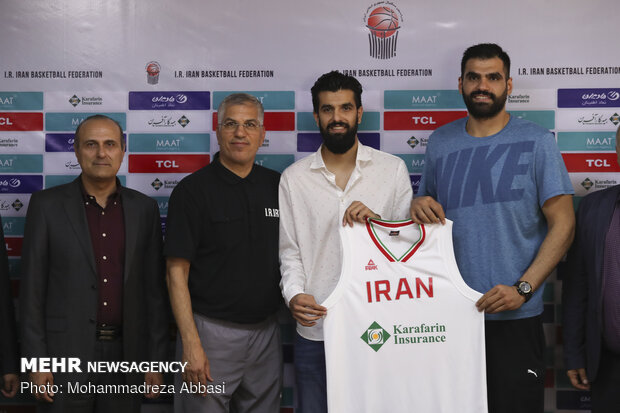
x=227 y=227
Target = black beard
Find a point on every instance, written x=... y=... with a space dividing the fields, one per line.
x=485 y=110
x=339 y=143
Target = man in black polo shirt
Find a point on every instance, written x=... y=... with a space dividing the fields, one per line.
x=223 y=272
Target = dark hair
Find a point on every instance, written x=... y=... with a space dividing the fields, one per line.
x=76 y=140
x=486 y=51
x=333 y=82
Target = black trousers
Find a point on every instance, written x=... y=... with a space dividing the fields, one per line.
x=515 y=365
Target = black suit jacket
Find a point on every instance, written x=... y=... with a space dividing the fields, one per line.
x=58 y=299
x=582 y=287
x=8 y=336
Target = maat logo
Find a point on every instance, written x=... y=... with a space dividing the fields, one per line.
x=383 y=19
x=375 y=336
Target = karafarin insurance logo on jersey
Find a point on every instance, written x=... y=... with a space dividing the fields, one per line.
x=375 y=336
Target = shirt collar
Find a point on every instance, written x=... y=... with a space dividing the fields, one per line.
x=364 y=154
x=114 y=195
x=230 y=177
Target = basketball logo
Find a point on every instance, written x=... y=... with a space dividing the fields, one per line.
x=152 y=72
x=383 y=23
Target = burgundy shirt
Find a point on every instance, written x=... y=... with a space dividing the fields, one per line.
x=107 y=235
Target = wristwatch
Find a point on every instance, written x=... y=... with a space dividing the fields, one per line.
x=525 y=289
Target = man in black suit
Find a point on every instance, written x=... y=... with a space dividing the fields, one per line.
x=8 y=338
x=591 y=299
x=93 y=284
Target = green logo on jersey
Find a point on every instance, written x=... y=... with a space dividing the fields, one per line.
x=375 y=336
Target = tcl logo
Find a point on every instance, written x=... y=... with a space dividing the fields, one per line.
x=167 y=164
x=423 y=120
x=591 y=162
x=21 y=121
x=171 y=163
x=597 y=162
x=420 y=120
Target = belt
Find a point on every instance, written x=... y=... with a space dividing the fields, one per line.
x=107 y=332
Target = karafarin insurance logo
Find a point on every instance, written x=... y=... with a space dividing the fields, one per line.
x=375 y=336
x=587 y=184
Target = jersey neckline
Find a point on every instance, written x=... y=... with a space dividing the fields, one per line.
x=371 y=222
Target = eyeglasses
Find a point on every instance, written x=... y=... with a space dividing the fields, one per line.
x=249 y=126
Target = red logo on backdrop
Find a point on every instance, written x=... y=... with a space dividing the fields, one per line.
x=591 y=162
x=14 y=246
x=20 y=121
x=274 y=121
x=152 y=72
x=420 y=120
x=167 y=163
x=383 y=22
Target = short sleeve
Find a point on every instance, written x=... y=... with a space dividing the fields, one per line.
x=183 y=223
x=550 y=171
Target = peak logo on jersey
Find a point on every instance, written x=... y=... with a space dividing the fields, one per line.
x=375 y=336
x=371 y=266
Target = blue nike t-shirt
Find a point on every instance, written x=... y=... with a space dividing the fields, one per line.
x=493 y=188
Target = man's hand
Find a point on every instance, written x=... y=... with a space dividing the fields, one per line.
x=42 y=379
x=578 y=378
x=153 y=379
x=357 y=212
x=11 y=382
x=425 y=210
x=500 y=298
x=197 y=369
x=305 y=310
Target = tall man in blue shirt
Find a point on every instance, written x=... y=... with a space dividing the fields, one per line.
x=503 y=182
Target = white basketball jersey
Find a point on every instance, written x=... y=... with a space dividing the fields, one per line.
x=402 y=332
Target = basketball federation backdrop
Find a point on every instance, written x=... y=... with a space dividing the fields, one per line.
x=161 y=68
